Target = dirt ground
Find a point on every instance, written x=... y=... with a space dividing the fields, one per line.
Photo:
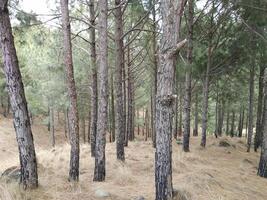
x=214 y=173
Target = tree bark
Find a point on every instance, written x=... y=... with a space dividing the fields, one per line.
x=102 y=113
x=206 y=100
x=187 y=100
x=171 y=13
x=227 y=121
x=250 y=108
x=27 y=157
x=73 y=114
x=220 y=118
x=258 y=135
x=119 y=62
x=94 y=93
x=262 y=169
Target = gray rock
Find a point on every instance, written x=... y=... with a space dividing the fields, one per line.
x=11 y=174
x=101 y=193
x=139 y=198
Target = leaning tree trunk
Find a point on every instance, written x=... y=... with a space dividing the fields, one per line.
x=258 y=135
x=187 y=100
x=171 y=18
x=73 y=114
x=27 y=157
x=250 y=108
x=102 y=113
x=262 y=170
x=119 y=62
x=93 y=79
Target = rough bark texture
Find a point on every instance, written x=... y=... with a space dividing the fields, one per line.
x=187 y=99
x=27 y=157
x=119 y=62
x=250 y=108
x=171 y=17
x=93 y=78
x=258 y=135
x=73 y=111
x=262 y=170
x=220 y=118
x=102 y=113
x=112 y=110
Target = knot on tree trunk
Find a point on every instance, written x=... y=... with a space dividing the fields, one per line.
x=167 y=100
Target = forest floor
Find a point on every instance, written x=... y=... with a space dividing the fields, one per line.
x=214 y=173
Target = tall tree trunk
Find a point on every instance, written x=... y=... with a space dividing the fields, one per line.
x=175 y=128
x=52 y=125
x=262 y=169
x=195 y=131
x=258 y=135
x=187 y=100
x=206 y=100
x=102 y=113
x=216 y=114
x=232 y=132
x=155 y=65
x=119 y=62
x=27 y=157
x=94 y=94
x=112 y=110
x=171 y=18
x=250 y=108
x=73 y=114
x=180 y=127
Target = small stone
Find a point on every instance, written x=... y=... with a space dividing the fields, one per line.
x=139 y=198
x=101 y=193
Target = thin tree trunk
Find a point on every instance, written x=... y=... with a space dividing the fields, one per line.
x=119 y=87
x=258 y=135
x=94 y=94
x=27 y=157
x=220 y=118
x=175 y=129
x=74 y=118
x=195 y=131
x=180 y=128
x=232 y=132
x=52 y=125
x=250 y=108
x=206 y=100
x=102 y=113
x=83 y=129
x=241 y=121
x=216 y=114
x=187 y=100
x=112 y=110
x=227 y=121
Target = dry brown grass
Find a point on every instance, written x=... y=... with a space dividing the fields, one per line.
x=214 y=173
